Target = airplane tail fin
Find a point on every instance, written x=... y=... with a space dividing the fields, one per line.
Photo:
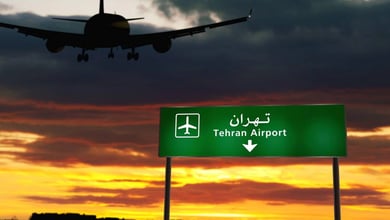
x=101 y=7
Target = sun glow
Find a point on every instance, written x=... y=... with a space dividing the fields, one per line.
x=30 y=184
x=382 y=131
x=18 y=137
x=13 y=141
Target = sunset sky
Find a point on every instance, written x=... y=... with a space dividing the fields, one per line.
x=83 y=137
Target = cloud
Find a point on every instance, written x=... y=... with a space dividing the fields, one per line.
x=222 y=193
x=286 y=46
x=106 y=135
x=106 y=112
x=4 y=7
x=363 y=150
x=147 y=197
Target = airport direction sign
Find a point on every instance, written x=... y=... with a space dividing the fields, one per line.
x=253 y=131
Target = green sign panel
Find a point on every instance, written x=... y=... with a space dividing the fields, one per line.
x=253 y=131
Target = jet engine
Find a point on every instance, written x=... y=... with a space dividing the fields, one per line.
x=163 y=45
x=54 y=46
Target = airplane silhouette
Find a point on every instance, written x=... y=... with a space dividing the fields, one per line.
x=105 y=30
x=187 y=126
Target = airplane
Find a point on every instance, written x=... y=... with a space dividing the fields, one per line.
x=187 y=126
x=104 y=30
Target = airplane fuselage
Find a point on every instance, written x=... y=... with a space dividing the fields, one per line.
x=106 y=30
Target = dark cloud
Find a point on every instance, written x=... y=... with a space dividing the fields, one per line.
x=105 y=112
x=361 y=150
x=144 y=197
x=73 y=152
x=299 y=46
x=63 y=152
x=128 y=135
x=225 y=192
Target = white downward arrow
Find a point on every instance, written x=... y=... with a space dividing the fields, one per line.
x=249 y=146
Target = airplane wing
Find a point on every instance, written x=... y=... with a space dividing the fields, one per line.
x=161 y=41
x=187 y=126
x=134 y=41
x=69 y=39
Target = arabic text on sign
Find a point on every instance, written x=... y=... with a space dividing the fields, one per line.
x=236 y=121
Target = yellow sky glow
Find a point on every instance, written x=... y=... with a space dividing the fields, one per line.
x=16 y=136
x=382 y=131
x=20 y=180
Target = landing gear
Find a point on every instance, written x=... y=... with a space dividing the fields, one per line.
x=82 y=57
x=132 y=55
x=111 y=54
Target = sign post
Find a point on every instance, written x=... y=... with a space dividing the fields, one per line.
x=336 y=189
x=167 y=200
x=253 y=131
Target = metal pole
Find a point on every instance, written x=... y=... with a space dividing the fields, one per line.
x=336 y=189
x=167 y=199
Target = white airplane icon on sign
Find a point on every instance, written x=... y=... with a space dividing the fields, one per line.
x=187 y=126
x=190 y=126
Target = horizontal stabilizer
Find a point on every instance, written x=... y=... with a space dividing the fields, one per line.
x=133 y=19
x=71 y=19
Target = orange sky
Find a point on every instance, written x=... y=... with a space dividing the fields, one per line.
x=83 y=138
x=45 y=167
